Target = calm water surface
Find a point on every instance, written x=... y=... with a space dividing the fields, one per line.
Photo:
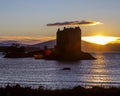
x=104 y=71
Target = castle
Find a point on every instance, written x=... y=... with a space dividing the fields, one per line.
x=68 y=47
x=68 y=44
x=69 y=41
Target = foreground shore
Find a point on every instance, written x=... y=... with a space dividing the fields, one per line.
x=17 y=90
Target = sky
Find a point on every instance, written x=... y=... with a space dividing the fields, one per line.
x=29 y=18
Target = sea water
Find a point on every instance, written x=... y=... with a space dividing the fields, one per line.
x=104 y=71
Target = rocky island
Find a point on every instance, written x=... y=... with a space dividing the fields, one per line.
x=68 y=47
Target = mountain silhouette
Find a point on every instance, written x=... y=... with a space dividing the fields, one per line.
x=10 y=42
x=86 y=46
x=49 y=44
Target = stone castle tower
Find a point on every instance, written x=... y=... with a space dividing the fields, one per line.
x=69 y=41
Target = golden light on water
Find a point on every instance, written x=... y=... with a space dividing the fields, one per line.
x=99 y=71
x=102 y=40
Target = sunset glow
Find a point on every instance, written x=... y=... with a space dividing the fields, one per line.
x=102 y=40
x=27 y=39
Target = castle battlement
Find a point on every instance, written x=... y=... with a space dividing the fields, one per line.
x=69 y=29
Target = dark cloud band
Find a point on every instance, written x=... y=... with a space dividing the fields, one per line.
x=74 y=23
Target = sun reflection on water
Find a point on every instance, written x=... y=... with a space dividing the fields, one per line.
x=99 y=71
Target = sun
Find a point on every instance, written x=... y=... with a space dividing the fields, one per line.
x=99 y=39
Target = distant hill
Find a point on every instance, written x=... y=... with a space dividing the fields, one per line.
x=5 y=44
x=86 y=46
x=100 y=48
x=10 y=42
x=49 y=44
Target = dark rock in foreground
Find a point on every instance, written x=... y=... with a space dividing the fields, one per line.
x=76 y=91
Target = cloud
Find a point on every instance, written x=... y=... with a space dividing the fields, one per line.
x=75 y=23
